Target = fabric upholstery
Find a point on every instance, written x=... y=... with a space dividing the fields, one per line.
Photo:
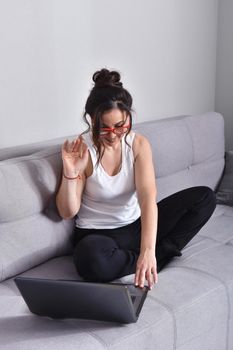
x=191 y=307
x=31 y=231
x=224 y=193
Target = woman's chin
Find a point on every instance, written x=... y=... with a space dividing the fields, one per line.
x=111 y=142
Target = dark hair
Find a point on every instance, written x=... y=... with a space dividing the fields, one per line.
x=107 y=93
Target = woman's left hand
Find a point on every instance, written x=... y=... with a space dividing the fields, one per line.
x=146 y=269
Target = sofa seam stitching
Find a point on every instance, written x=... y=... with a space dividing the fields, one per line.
x=122 y=339
x=215 y=240
x=149 y=326
x=169 y=309
x=226 y=291
x=99 y=339
x=195 y=254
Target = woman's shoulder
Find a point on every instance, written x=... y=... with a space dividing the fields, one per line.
x=139 y=142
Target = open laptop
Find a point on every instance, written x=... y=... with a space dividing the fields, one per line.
x=114 y=302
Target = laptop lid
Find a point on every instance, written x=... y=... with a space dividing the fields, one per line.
x=114 y=302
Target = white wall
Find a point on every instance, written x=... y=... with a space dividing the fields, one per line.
x=224 y=75
x=165 y=50
x=44 y=56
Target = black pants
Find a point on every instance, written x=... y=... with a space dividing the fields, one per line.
x=102 y=255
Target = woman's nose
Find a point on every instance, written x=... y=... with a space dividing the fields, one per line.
x=112 y=134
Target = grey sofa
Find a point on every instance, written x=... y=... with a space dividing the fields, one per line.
x=191 y=306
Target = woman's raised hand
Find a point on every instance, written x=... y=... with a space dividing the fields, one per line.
x=74 y=157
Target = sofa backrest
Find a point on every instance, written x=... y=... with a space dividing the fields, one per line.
x=31 y=230
x=28 y=149
x=187 y=151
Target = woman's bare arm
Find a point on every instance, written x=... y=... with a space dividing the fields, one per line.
x=69 y=196
x=147 y=192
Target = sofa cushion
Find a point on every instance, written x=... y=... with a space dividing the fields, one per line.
x=174 y=306
x=168 y=139
x=28 y=149
x=31 y=230
x=187 y=151
x=224 y=192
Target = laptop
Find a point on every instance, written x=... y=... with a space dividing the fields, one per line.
x=60 y=298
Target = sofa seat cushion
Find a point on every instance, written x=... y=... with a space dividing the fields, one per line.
x=24 y=330
x=201 y=279
x=174 y=306
x=21 y=330
x=211 y=255
x=220 y=225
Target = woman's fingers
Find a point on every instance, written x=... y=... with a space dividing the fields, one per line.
x=155 y=275
x=65 y=146
x=79 y=145
x=73 y=146
x=136 y=279
x=85 y=150
x=150 y=275
x=141 y=277
x=76 y=145
x=151 y=278
x=75 y=149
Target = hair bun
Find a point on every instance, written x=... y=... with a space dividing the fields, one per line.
x=104 y=77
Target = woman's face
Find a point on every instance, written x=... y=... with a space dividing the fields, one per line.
x=115 y=118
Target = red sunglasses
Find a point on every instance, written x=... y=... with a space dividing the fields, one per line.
x=118 y=130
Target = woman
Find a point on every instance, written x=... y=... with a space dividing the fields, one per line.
x=108 y=185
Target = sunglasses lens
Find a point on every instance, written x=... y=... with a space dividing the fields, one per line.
x=120 y=130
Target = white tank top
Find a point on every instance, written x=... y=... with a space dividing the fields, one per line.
x=109 y=201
